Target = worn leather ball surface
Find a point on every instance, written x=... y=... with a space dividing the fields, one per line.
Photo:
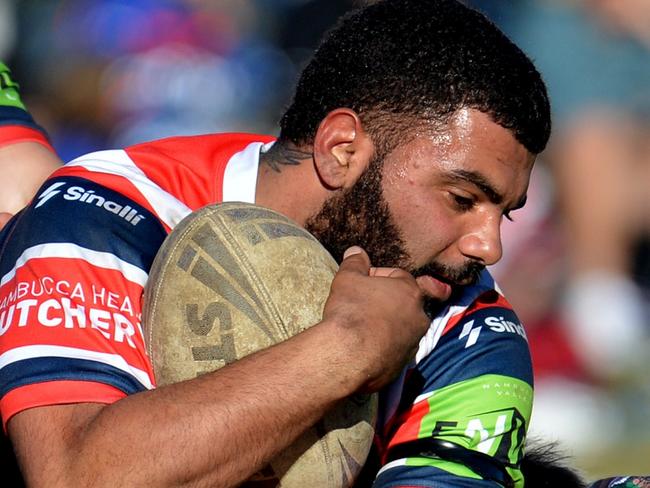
x=235 y=278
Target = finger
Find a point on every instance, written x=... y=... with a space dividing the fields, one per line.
x=389 y=273
x=355 y=259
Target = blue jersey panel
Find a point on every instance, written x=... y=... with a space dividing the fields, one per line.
x=64 y=211
x=429 y=477
x=38 y=370
x=490 y=340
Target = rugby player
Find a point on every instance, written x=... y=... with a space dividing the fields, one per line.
x=412 y=134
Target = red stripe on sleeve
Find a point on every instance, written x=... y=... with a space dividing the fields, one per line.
x=56 y=393
x=11 y=134
x=488 y=299
x=410 y=424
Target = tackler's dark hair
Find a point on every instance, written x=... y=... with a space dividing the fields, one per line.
x=399 y=63
x=544 y=466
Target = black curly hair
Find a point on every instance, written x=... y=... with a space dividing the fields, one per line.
x=398 y=63
x=545 y=466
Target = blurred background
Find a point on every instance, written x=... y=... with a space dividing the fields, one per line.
x=101 y=74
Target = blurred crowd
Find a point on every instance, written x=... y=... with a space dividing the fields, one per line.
x=108 y=73
x=100 y=73
x=577 y=266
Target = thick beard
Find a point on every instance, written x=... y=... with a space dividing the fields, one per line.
x=361 y=216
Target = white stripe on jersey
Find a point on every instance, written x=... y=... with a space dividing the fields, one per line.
x=40 y=351
x=423 y=396
x=68 y=250
x=392 y=464
x=240 y=176
x=431 y=338
x=117 y=162
x=438 y=324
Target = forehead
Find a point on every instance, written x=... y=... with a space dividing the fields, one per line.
x=469 y=142
x=471 y=132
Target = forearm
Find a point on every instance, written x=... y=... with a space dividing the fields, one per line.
x=23 y=168
x=220 y=428
x=215 y=430
x=26 y=156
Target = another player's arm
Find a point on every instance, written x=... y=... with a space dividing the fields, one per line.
x=26 y=157
x=468 y=426
x=24 y=166
x=220 y=428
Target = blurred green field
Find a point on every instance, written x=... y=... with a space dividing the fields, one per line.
x=616 y=460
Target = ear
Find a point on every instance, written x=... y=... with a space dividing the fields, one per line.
x=342 y=149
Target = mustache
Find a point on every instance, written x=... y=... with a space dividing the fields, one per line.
x=466 y=274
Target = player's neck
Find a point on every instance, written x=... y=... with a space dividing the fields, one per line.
x=288 y=183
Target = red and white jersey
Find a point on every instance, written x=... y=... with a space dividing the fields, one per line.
x=74 y=263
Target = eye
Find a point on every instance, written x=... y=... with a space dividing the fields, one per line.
x=462 y=203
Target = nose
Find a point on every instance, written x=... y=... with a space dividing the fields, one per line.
x=483 y=244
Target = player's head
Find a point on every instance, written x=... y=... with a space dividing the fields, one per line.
x=453 y=114
x=401 y=64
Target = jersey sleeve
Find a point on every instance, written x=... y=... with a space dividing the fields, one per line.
x=73 y=265
x=16 y=123
x=465 y=406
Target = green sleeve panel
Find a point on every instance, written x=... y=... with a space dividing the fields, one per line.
x=9 y=96
x=489 y=414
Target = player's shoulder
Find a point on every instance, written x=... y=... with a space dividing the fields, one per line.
x=221 y=141
x=179 y=173
x=199 y=152
x=477 y=333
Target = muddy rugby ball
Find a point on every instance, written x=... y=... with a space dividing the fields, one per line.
x=235 y=278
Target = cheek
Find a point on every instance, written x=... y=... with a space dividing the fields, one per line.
x=426 y=225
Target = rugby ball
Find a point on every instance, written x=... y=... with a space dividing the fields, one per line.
x=232 y=279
